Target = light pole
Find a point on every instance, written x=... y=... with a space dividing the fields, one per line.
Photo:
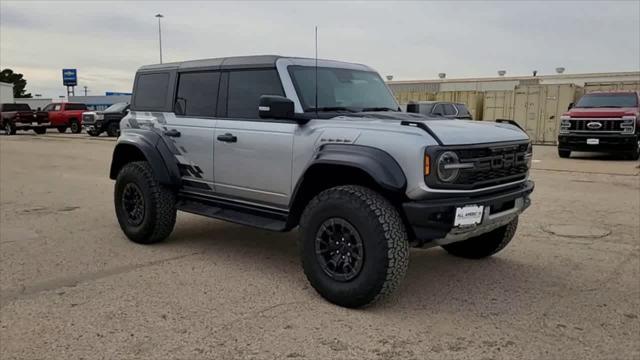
x=160 y=16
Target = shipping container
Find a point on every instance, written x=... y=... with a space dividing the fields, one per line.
x=497 y=105
x=538 y=108
x=611 y=86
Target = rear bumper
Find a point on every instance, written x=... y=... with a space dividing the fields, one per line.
x=607 y=142
x=432 y=221
x=22 y=125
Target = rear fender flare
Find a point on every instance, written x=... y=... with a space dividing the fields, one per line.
x=155 y=151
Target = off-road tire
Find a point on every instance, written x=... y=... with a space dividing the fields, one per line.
x=75 y=127
x=159 y=204
x=40 y=130
x=484 y=245
x=384 y=238
x=113 y=129
x=93 y=133
x=62 y=129
x=564 y=153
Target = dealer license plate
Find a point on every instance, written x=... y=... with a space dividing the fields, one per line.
x=593 y=141
x=468 y=215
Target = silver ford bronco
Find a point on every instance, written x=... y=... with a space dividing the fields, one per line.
x=278 y=142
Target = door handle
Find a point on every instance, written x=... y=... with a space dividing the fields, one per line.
x=172 y=133
x=230 y=138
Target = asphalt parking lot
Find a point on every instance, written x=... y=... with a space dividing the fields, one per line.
x=73 y=287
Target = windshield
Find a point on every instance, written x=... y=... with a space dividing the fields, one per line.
x=341 y=89
x=16 y=107
x=608 y=100
x=117 y=107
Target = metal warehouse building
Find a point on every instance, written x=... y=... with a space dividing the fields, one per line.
x=535 y=102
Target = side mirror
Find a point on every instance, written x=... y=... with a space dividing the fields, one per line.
x=571 y=105
x=275 y=107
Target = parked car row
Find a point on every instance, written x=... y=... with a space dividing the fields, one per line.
x=63 y=117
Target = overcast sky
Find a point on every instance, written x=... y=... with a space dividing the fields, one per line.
x=107 y=41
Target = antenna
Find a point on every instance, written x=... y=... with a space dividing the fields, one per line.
x=316 y=70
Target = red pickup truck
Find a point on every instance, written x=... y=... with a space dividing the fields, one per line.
x=602 y=122
x=66 y=115
x=14 y=117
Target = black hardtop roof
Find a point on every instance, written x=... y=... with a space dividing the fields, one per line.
x=255 y=61
x=252 y=61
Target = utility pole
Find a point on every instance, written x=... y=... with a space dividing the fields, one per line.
x=160 y=16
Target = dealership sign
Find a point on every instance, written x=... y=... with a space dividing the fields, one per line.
x=69 y=77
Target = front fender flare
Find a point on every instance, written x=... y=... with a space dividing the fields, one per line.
x=378 y=164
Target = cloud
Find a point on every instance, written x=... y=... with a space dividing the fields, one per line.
x=108 y=40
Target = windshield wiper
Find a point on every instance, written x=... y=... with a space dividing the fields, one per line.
x=379 y=108
x=329 y=108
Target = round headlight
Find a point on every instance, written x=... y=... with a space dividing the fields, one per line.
x=446 y=174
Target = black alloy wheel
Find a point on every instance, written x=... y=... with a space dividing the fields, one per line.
x=339 y=249
x=133 y=204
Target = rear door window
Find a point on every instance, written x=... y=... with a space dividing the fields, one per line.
x=16 y=107
x=197 y=94
x=151 y=91
x=245 y=89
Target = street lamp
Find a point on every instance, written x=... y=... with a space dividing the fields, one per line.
x=160 y=16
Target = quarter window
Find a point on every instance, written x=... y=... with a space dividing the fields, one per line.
x=151 y=91
x=245 y=89
x=197 y=94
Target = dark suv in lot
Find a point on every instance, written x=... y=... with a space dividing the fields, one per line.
x=602 y=122
x=95 y=123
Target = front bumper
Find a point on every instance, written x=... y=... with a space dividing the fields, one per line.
x=606 y=142
x=95 y=126
x=432 y=221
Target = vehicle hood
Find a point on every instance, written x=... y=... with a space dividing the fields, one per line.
x=601 y=112
x=454 y=131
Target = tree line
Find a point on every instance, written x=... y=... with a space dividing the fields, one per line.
x=18 y=81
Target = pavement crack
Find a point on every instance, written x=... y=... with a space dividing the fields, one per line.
x=9 y=296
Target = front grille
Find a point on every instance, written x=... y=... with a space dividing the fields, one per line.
x=612 y=125
x=493 y=165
